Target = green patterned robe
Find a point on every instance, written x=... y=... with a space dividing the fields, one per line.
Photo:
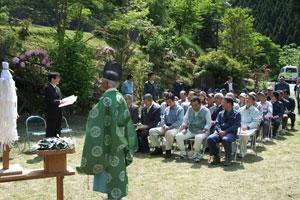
x=109 y=143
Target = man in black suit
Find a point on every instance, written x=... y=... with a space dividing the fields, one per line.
x=149 y=86
x=133 y=109
x=228 y=85
x=53 y=99
x=149 y=119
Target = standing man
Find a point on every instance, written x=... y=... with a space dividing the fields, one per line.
x=282 y=85
x=227 y=124
x=297 y=94
x=110 y=138
x=228 y=85
x=290 y=108
x=149 y=86
x=127 y=86
x=53 y=111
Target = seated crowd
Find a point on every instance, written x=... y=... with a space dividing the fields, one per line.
x=202 y=121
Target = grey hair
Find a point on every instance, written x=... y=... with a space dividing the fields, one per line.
x=129 y=96
x=111 y=84
x=219 y=95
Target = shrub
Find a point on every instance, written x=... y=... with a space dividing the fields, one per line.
x=215 y=67
x=74 y=61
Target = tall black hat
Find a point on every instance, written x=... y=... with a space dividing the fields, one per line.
x=112 y=71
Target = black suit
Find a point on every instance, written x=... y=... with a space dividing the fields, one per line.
x=53 y=112
x=134 y=113
x=226 y=86
x=150 y=88
x=150 y=118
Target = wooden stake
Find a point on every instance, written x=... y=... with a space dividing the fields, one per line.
x=5 y=158
x=60 y=187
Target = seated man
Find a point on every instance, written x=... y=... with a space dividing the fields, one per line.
x=227 y=124
x=218 y=101
x=150 y=117
x=290 y=108
x=267 y=112
x=196 y=124
x=250 y=120
x=133 y=108
x=173 y=118
x=285 y=103
x=184 y=102
x=278 y=111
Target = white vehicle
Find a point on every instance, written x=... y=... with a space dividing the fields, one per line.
x=289 y=72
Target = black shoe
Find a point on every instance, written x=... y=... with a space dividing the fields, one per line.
x=157 y=151
x=227 y=161
x=168 y=154
x=216 y=160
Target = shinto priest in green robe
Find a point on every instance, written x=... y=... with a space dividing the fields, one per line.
x=110 y=138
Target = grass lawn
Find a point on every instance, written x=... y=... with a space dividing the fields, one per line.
x=273 y=174
x=43 y=37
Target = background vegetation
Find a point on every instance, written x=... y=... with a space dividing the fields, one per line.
x=192 y=40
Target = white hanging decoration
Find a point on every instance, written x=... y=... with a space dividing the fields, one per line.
x=8 y=108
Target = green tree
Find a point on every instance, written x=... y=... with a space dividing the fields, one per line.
x=209 y=67
x=237 y=37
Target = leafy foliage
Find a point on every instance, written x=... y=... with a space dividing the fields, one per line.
x=217 y=65
x=77 y=68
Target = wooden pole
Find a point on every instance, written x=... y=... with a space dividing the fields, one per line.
x=60 y=187
x=5 y=157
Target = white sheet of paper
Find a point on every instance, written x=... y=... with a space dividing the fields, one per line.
x=68 y=101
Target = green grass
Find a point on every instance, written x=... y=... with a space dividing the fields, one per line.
x=273 y=174
x=43 y=37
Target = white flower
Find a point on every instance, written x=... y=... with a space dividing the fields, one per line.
x=97 y=151
x=107 y=101
x=122 y=176
x=116 y=193
x=95 y=131
x=114 y=161
x=97 y=168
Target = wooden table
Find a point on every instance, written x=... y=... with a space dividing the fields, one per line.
x=55 y=165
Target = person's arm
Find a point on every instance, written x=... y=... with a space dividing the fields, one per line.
x=218 y=123
x=123 y=88
x=155 y=119
x=235 y=123
x=50 y=97
x=186 y=118
x=208 y=120
x=255 y=119
x=146 y=88
x=270 y=111
x=179 y=119
x=135 y=115
x=293 y=104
